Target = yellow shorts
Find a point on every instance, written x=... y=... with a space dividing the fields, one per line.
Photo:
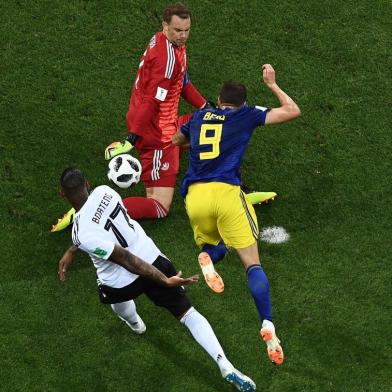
x=219 y=211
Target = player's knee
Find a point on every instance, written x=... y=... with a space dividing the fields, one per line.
x=167 y=207
x=163 y=209
x=163 y=199
x=182 y=318
x=163 y=204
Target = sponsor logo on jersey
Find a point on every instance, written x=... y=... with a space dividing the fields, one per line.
x=165 y=166
x=100 y=252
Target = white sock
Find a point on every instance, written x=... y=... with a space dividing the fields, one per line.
x=268 y=324
x=126 y=311
x=203 y=333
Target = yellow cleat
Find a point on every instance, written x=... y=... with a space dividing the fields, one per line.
x=64 y=222
x=117 y=148
x=260 y=197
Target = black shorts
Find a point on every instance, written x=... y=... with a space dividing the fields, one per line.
x=173 y=299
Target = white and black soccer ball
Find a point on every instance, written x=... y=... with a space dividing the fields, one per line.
x=124 y=170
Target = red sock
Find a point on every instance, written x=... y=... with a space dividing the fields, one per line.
x=144 y=207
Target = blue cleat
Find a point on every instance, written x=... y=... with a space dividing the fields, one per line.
x=240 y=381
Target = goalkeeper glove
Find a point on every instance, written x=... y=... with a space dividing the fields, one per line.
x=117 y=148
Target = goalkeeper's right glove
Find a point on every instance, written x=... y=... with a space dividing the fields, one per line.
x=117 y=148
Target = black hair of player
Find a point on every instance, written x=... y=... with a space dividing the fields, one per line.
x=233 y=93
x=177 y=9
x=72 y=180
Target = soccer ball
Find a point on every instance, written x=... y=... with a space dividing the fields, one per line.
x=124 y=170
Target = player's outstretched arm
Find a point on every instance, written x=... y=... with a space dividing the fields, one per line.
x=137 y=266
x=192 y=95
x=288 y=110
x=66 y=260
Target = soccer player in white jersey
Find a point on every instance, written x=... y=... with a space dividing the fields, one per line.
x=129 y=264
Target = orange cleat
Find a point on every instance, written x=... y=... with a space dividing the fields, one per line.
x=274 y=348
x=212 y=278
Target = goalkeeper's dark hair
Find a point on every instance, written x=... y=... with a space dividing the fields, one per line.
x=233 y=93
x=72 y=180
x=178 y=9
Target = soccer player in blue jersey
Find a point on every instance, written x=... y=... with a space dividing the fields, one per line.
x=219 y=213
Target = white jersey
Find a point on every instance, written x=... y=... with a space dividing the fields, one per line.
x=103 y=222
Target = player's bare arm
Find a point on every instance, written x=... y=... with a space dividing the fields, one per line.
x=179 y=139
x=66 y=260
x=137 y=266
x=288 y=110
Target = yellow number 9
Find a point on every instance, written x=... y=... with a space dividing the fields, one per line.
x=213 y=140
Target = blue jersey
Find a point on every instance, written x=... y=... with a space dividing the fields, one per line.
x=218 y=141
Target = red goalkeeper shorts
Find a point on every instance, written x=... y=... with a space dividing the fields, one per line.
x=160 y=167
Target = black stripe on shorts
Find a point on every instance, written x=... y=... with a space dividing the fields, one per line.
x=252 y=223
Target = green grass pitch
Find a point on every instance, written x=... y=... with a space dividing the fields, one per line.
x=66 y=73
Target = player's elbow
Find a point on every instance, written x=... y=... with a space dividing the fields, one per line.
x=292 y=111
x=288 y=113
x=297 y=111
x=285 y=113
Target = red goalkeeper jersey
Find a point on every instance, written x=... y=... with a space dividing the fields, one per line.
x=161 y=79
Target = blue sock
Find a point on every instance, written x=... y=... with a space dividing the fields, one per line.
x=216 y=252
x=259 y=288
